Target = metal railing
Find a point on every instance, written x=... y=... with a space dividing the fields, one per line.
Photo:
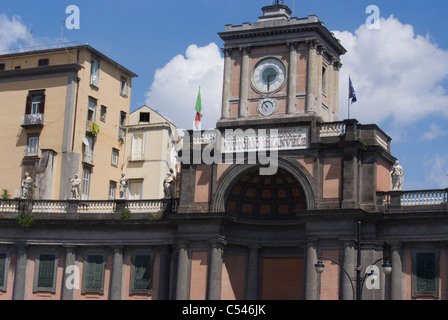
x=30 y=120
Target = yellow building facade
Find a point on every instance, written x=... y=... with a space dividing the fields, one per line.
x=151 y=148
x=65 y=114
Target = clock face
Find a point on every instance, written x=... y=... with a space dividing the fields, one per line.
x=267 y=107
x=269 y=75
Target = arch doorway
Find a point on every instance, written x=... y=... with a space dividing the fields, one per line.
x=275 y=197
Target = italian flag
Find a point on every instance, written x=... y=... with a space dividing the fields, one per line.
x=198 y=110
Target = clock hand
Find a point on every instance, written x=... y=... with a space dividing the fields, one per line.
x=272 y=75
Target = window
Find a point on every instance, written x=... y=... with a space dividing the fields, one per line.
x=93 y=275
x=141 y=274
x=115 y=157
x=122 y=125
x=86 y=175
x=45 y=273
x=426 y=280
x=124 y=87
x=32 y=146
x=135 y=189
x=103 y=113
x=144 y=117
x=324 y=80
x=91 y=113
x=112 y=190
x=137 y=147
x=95 y=72
x=43 y=62
x=35 y=103
x=3 y=273
x=2 y=66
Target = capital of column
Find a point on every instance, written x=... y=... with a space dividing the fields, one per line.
x=227 y=52
x=245 y=50
x=293 y=45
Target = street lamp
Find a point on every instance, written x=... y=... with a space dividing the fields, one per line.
x=387 y=268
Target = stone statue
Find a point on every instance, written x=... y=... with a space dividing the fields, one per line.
x=27 y=187
x=76 y=182
x=168 y=185
x=397 y=175
x=123 y=187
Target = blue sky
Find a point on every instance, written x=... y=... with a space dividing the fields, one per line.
x=400 y=71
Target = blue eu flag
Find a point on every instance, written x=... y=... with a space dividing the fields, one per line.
x=352 y=94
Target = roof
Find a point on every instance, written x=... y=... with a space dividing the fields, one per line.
x=62 y=48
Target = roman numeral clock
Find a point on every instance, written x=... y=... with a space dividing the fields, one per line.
x=268 y=77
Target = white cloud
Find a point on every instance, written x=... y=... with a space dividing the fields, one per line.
x=397 y=74
x=176 y=85
x=13 y=32
x=434 y=132
x=436 y=169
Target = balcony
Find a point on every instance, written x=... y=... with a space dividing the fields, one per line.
x=154 y=208
x=33 y=121
x=410 y=201
x=92 y=128
x=87 y=158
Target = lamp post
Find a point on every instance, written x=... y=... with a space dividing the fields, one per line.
x=387 y=268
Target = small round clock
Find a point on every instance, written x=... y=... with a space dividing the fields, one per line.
x=267 y=107
x=269 y=75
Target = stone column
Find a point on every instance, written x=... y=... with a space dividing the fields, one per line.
x=18 y=292
x=117 y=274
x=164 y=274
x=349 y=265
x=183 y=273
x=312 y=76
x=227 y=83
x=216 y=260
x=311 y=285
x=397 y=292
x=70 y=274
x=293 y=78
x=244 y=82
x=253 y=273
x=335 y=86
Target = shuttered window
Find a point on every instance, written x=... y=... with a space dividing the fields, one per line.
x=46 y=271
x=2 y=269
x=94 y=272
x=426 y=272
x=142 y=272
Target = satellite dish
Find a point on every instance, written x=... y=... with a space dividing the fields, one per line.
x=86 y=142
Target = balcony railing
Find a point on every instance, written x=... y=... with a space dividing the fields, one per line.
x=92 y=128
x=431 y=199
x=90 y=207
x=33 y=120
x=332 y=129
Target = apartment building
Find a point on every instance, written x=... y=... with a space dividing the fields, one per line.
x=152 y=143
x=64 y=112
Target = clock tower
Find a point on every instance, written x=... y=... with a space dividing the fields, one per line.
x=279 y=68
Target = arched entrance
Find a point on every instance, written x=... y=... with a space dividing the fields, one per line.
x=242 y=190
x=275 y=197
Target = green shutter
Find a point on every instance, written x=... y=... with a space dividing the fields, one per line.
x=426 y=272
x=94 y=272
x=142 y=272
x=2 y=269
x=46 y=271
